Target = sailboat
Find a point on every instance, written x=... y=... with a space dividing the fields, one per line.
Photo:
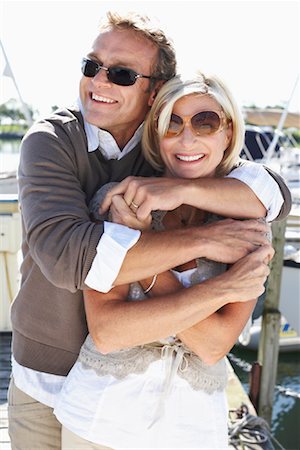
x=269 y=145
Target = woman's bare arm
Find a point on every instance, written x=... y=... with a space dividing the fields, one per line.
x=115 y=323
x=213 y=337
x=225 y=196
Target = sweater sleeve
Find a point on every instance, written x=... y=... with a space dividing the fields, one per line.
x=112 y=248
x=60 y=237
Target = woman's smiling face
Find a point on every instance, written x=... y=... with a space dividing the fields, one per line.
x=189 y=155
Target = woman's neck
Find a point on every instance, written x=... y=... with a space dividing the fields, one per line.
x=184 y=216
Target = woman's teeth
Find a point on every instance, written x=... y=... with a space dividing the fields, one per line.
x=189 y=158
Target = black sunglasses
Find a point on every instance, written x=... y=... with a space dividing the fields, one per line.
x=117 y=75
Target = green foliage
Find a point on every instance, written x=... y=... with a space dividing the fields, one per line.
x=296 y=136
x=12 y=110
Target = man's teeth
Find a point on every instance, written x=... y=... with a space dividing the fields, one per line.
x=102 y=99
x=190 y=157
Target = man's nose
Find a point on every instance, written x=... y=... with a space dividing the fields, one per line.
x=101 y=76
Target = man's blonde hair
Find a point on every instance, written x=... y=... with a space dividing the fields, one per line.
x=165 y=67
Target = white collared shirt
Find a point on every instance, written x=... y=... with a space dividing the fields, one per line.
x=107 y=263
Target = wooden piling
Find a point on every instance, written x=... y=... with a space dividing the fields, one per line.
x=269 y=338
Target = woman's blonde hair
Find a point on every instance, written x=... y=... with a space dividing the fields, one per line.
x=158 y=118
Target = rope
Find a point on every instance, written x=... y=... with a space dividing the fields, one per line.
x=288 y=392
x=248 y=429
x=240 y=362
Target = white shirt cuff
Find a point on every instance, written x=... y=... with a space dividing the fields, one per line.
x=111 y=250
x=263 y=185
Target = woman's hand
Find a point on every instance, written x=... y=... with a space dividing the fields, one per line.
x=121 y=213
x=148 y=194
x=224 y=196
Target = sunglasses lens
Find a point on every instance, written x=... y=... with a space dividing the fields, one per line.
x=175 y=125
x=117 y=75
x=206 y=122
x=122 y=77
x=89 y=68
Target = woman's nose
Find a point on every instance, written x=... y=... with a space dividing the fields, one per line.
x=187 y=135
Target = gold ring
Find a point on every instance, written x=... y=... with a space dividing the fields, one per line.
x=134 y=205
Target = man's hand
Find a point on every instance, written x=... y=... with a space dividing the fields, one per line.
x=229 y=240
x=245 y=279
x=148 y=194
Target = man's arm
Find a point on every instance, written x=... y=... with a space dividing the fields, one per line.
x=59 y=233
x=224 y=241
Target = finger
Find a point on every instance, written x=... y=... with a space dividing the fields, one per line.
x=144 y=209
x=139 y=189
x=133 y=207
x=120 y=212
x=265 y=253
x=135 y=191
x=123 y=214
x=119 y=189
x=253 y=225
x=256 y=225
x=121 y=206
x=256 y=237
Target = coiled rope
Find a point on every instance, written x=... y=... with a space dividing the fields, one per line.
x=250 y=432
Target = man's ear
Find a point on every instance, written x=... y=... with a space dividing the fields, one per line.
x=154 y=91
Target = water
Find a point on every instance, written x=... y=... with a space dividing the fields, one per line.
x=9 y=155
x=286 y=410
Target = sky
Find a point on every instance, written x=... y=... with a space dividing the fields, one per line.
x=253 y=45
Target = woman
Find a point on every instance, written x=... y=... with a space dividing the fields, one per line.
x=147 y=376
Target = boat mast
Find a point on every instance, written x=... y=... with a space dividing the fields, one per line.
x=9 y=73
x=279 y=127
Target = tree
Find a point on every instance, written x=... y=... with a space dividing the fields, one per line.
x=12 y=115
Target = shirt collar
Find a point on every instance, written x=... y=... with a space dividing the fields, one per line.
x=109 y=147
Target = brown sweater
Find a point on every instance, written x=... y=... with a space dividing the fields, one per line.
x=57 y=179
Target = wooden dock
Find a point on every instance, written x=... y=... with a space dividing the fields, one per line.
x=236 y=394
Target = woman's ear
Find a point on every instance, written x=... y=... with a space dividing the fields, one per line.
x=229 y=133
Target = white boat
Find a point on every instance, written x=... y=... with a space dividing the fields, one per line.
x=289 y=339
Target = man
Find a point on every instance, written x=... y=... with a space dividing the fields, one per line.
x=64 y=159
